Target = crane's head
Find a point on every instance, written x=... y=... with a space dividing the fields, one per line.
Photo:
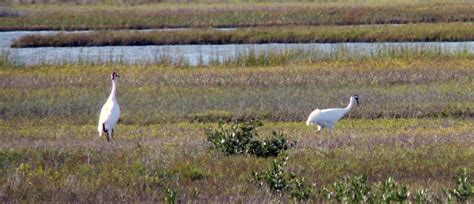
x=114 y=75
x=356 y=98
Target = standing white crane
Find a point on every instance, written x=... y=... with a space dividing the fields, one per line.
x=110 y=112
x=329 y=117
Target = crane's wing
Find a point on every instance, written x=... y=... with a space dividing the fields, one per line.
x=312 y=117
x=105 y=114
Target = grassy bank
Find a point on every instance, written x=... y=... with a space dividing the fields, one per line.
x=326 y=34
x=66 y=17
x=69 y=163
x=389 y=88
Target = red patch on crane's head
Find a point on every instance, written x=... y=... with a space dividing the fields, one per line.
x=115 y=75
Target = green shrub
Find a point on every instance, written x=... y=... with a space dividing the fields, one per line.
x=280 y=181
x=233 y=138
x=269 y=147
x=389 y=191
x=464 y=188
x=349 y=189
x=424 y=196
x=239 y=137
x=170 y=197
x=356 y=189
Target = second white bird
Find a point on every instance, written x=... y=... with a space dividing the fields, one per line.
x=329 y=117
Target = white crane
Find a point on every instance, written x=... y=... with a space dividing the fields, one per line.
x=329 y=117
x=110 y=112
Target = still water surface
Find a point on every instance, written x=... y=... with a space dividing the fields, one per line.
x=194 y=54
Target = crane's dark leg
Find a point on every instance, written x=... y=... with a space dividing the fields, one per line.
x=112 y=134
x=106 y=132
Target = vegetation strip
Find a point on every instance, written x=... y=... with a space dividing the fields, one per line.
x=407 y=87
x=90 y=17
x=331 y=34
x=72 y=164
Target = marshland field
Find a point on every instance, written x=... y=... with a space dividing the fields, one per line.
x=410 y=140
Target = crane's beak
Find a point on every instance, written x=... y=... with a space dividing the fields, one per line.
x=116 y=75
x=357 y=100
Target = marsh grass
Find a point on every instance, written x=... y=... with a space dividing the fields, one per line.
x=333 y=34
x=389 y=88
x=414 y=125
x=63 y=162
x=90 y=17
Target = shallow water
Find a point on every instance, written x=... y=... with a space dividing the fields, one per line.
x=195 y=54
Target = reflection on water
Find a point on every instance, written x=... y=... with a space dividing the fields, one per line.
x=196 y=54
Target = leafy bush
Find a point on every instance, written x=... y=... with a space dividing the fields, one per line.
x=238 y=138
x=424 y=196
x=233 y=138
x=269 y=147
x=281 y=181
x=464 y=188
x=170 y=197
x=356 y=189
x=390 y=191
x=349 y=189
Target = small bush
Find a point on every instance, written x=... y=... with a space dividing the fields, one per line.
x=238 y=138
x=464 y=188
x=424 y=196
x=390 y=191
x=349 y=189
x=233 y=138
x=281 y=182
x=356 y=189
x=269 y=147
x=170 y=197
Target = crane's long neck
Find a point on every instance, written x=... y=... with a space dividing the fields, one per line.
x=349 y=107
x=112 y=93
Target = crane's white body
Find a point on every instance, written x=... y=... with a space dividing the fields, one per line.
x=328 y=117
x=109 y=114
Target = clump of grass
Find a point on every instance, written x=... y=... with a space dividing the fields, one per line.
x=239 y=138
x=325 y=34
x=280 y=181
